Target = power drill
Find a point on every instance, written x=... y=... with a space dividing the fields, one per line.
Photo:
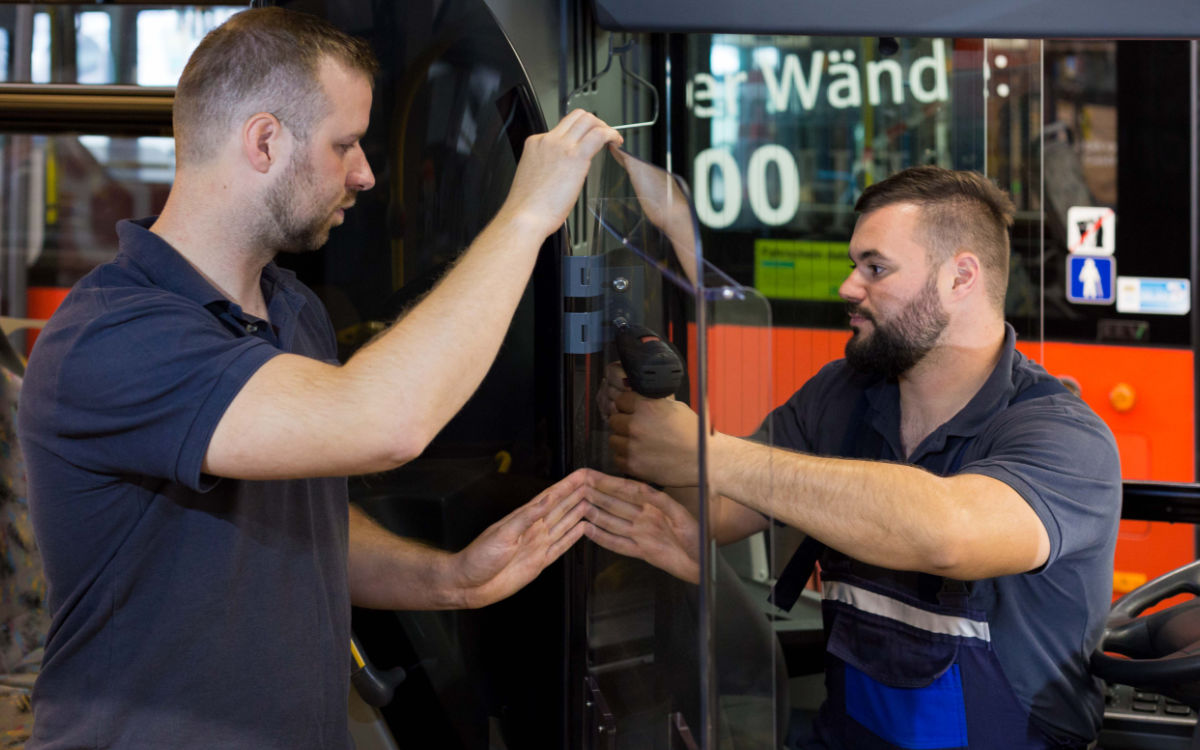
x=652 y=364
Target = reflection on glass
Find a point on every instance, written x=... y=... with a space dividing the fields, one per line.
x=166 y=39
x=66 y=195
x=786 y=131
x=782 y=134
x=93 y=52
x=107 y=44
x=40 y=65
x=646 y=209
x=673 y=662
x=1012 y=111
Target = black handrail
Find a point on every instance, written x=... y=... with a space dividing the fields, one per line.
x=1175 y=502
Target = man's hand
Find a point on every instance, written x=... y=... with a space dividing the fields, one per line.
x=513 y=551
x=664 y=205
x=654 y=439
x=613 y=384
x=636 y=520
x=552 y=170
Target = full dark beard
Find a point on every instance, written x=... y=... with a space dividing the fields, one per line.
x=895 y=347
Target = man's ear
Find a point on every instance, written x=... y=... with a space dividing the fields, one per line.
x=966 y=274
x=263 y=138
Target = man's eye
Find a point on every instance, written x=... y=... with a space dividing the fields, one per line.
x=871 y=268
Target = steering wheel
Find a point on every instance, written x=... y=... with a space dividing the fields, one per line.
x=1162 y=648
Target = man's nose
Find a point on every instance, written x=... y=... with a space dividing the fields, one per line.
x=361 y=177
x=851 y=290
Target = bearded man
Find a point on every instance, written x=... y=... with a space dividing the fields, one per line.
x=962 y=503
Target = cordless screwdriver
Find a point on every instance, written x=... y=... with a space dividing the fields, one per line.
x=651 y=363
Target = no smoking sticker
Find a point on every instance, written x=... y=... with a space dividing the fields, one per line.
x=1091 y=230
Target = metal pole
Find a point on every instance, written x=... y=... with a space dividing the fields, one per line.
x=16 y=186
x=1194 y=217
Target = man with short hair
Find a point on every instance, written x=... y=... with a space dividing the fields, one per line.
x=188 y=429
x=965 y=504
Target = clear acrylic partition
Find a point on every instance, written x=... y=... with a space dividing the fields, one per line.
x=671 y=664
x=1014 y=142
x=780 y=136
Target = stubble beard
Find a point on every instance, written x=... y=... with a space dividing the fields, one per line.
x=286 y=229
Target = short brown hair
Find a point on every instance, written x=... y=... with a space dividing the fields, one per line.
x=260 y=60
x=959 y=210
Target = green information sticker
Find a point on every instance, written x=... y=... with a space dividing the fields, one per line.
x=800 y=269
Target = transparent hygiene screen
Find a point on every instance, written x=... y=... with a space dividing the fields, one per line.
x=669 y=662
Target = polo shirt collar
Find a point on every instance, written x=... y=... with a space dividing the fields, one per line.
x=883 y=397
x=164 y=267
x=167 y=269
x=996 y=392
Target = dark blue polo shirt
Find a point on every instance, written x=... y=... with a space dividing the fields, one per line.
x=189 y=611
x=1061 y=458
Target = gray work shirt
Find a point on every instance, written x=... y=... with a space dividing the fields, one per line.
x=1061 y=458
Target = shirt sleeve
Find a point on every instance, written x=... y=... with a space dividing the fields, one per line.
x=797 y=424
x=1062 y=459
x=142 y=388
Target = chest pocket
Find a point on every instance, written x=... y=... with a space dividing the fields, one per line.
x=891 y=653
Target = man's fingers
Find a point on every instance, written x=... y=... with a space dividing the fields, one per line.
x=626 y=401
x=584 y=125
x=618 y=425
x=583 y=130
x=570 y=120
x=626 y=498
x=626 y=489
x=610 y=522
x=565 y=521
x=551 y=505
x=569 y=483
x=657 y=499
x=564 y=543
x=515 y=525
x=596 y=138
x=571 y=129
x=559 y=506
x=577 y=124
x=553 y=497
x=620 y=508
x=615 y=374
x=619 y=544
x=555 y=513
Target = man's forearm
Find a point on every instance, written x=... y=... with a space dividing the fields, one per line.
x=729 y=521
x=888 y=514
x=299 y=417
x=390 y=572
x=454 y=333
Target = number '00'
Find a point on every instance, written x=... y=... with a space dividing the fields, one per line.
x=717 y=167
